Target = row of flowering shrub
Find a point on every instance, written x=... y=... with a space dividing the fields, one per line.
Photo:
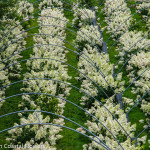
x=132 y=46
x=82 y=16
x=100 y=60
x=116 y=130
x=143 y=8
x=135 y=44
x=131 y=42
x=44 y=62
x=92 y=63
x=118 y=17
x=11 y=44
x=139 y=66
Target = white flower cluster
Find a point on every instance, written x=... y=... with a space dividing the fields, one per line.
x=51 y=47
x=50 y=3
x=89 y=34
x=101 y=132
x=86 y=37
x=49 y=132
x=24 y=9
x=145 y=106
x=144 y=5
x=3 y=81
x=12 y=44
x=105 y=67
x=81 y=130
x=140 y=62
x=129 y=102
x=117 y=14
x=148 y=23
x=82 y=16
x=142 y=140
x=48 y=68
x=131 y=41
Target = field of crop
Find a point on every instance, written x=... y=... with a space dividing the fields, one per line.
x=75 y=74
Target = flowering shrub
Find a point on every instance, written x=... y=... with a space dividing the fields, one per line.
x=86 y=37
x=144 y=4
x=129 y=102
x=129 y=43
x=24 y=9
x=88 y=34
x=12 y=42
x=143 y=7
x=132 y=41
x=47 y=47
x=12 y=46
x=50 y=3
x=106 y=118
x=101 y=61
x=3 y=81
x=118 y=17
x=43 y=134
x=46 y=68
x=140 y=62
x=82 y=16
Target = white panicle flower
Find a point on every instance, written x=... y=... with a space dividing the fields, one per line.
x=112 y=125
x=101 y=61
x=45 y=68
x=118 y=21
